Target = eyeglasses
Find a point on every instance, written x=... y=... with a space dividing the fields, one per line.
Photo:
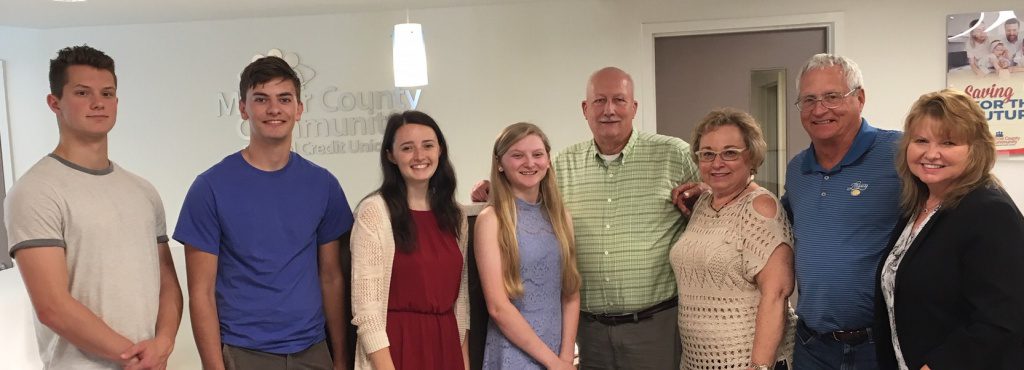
x=829 y=101
x=730 y=154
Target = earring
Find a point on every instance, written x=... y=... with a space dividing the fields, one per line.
x=501 y=169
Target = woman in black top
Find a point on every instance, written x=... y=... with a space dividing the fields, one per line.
x=950 y=292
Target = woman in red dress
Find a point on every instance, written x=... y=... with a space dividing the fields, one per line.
x=409 y=297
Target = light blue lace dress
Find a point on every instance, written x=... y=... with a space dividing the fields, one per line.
x=541 y=303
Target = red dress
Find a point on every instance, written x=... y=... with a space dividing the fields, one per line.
x=422 y=329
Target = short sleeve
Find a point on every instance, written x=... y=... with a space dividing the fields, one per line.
x=761 y=235
x=161 y=221
x=337 y=217
x=34 y=217
x=690 y=173
x=198 y=222
x=159 y=216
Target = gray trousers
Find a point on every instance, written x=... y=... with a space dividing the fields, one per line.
x=652 y=344
x=316 y=357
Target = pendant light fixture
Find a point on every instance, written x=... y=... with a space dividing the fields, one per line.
x=409 y=55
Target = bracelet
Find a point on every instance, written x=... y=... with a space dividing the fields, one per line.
x=754 y=366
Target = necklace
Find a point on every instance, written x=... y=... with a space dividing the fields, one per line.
x=712 y=205
x=927 y=210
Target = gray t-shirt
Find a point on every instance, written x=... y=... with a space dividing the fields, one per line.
x=109 y=223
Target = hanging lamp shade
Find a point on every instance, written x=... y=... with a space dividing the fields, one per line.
x=409 y=55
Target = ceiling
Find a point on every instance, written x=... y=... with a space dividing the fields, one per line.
x=54 y=14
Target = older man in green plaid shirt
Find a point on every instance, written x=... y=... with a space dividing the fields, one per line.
x=618 y=188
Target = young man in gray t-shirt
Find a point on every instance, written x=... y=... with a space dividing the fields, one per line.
x=90 y=238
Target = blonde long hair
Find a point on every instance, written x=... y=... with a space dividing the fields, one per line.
x=504 y=204
x=961 y=119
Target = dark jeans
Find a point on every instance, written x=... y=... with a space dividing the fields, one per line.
x=822 y=352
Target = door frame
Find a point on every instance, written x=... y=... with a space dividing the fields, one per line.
x=831 y=22
x=781 y=128
x=5 y=135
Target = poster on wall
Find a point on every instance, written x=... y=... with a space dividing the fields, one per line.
x=985 y=59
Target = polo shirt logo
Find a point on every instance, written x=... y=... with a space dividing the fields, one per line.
x=857 y=187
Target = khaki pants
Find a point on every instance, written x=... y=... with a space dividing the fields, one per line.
x=652 y=344
x=316 y=357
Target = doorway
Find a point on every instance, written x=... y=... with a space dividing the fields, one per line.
x=750 y=71
x=768 y=106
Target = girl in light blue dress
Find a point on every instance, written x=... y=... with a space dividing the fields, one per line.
x=526 y=257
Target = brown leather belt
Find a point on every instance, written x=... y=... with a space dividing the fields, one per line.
x=632 y=318
x=850 y=337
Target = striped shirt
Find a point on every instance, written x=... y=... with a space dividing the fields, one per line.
x=625 y=222
x=842 y=221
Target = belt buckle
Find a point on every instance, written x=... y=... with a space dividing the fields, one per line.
x=851 y=337
x=836 y=337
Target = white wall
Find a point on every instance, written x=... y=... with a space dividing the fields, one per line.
x=24 y=66
x=33 y=128
x=489 y=66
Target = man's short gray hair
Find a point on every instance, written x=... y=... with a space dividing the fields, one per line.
x=851 y=71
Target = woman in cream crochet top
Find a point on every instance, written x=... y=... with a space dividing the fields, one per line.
x=734 y=262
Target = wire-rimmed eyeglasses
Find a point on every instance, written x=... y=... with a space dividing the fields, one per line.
x=829 y=101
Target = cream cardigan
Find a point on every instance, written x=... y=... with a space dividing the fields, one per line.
x=373 y=252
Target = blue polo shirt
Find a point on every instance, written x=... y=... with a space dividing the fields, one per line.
x=842 y=220
x=266 y=229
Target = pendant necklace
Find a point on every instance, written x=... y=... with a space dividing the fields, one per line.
x=933 y=209
x=712 y=204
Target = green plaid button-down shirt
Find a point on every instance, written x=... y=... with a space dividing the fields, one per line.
x=624 y=219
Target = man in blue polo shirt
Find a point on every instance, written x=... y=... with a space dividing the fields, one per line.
x=261 y=231
x=842 y=196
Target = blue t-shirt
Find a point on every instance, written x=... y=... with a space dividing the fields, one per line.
x=842 y=220
x=265 y=228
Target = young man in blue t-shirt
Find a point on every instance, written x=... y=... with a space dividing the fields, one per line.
x=261 y=232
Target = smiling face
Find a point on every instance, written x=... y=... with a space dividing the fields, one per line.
x=836 y=125
x=937 y=160
x=610 y=108
x=415 y=152
x=525 y=164
x=725 y=177
x=87 y=108
x=1012 y=32
x=272 y=109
